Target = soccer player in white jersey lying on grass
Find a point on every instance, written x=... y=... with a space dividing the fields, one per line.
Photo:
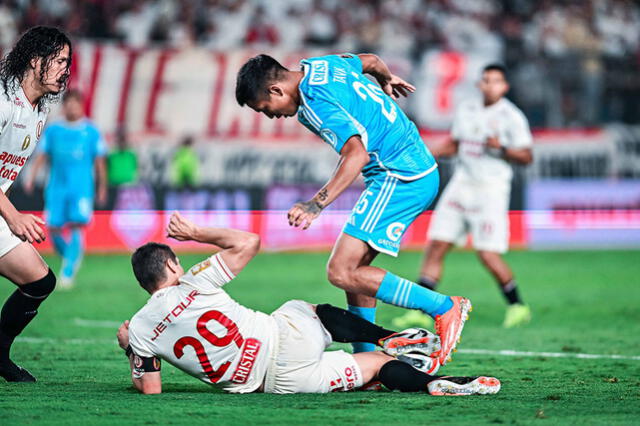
x=192 y=323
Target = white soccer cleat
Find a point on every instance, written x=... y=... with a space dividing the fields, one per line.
x=416 y=340
x=462 y=386
x=421 y=362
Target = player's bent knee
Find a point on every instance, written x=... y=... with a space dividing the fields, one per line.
x=41 y=288
x=339 y=277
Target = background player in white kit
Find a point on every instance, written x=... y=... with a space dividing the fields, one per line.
x=33 y=73
x=191 y=322
x=488 y=135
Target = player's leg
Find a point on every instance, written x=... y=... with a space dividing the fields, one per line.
x=397 y=375
x=80 y=211
x=447 y=226
x=490 y=229
x=382 y=230
x=432 y=265
x=72 y=255
x=339 y=269
x=517 y=313
x=56 y=217
x=24 y=267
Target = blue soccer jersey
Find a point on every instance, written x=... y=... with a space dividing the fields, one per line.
x=338 y=102
x=72 y=149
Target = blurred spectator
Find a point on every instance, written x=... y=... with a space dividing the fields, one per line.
x=185 y=166
x=583 y=53
x=122 y=162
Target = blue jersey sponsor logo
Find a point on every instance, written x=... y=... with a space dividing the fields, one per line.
x=319 y=73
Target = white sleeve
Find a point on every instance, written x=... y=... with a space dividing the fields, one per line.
x=209 y=275
x=519 y=132
x=455 y=126
x=136 y=342
x=5 y=112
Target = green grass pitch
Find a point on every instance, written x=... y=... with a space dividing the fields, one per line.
x=583 y=302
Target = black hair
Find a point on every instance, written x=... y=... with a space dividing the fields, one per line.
x=254 y=76
x=37 y=42
x=148 y=263
x=497 y=67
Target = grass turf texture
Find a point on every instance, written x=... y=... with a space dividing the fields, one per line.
x=582 y=302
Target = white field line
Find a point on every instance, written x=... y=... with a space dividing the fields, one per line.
x=504 y=352
x=96 y=323
x=509 y=352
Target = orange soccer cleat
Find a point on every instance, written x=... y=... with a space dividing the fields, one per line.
x=411 y=340
x=449 y=327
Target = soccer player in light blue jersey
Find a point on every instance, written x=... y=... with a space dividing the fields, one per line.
x=361 y=121
x=74 y=149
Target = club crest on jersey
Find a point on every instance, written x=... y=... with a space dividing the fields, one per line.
x=200 y=267
x=394 y=231
x=329 y=137
x=26 y=142
x=39 y=128
x=319 y=73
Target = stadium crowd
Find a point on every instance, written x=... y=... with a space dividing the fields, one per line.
x=573 y=63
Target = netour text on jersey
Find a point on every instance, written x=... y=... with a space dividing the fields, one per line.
x=175 y=313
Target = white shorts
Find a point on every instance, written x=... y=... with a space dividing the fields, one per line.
x=8 y=240
x=300 y=363
x=482 y=210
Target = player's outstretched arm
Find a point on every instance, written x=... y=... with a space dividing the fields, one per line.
x=353 y=157
x=238 y=247
x=446 y=149
x=390 y=83
x=149 y=382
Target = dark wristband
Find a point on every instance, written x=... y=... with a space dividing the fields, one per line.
x=128 y=351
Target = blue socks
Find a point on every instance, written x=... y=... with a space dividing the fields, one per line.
x=59 y=243
x=72 y=253
x=370 y=315
x=404 y=293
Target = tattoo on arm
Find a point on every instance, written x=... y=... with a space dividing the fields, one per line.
x=323 y=194
x=311 y=206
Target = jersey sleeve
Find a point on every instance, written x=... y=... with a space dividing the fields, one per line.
x=137 y=344
x=456 y=127
x=519 y=132
x=353 y=60
x=5 y=112
x=333 y=122
x=209 y=275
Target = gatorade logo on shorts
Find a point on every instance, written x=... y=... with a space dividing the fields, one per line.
x=395 y=230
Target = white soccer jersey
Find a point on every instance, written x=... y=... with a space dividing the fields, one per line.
x=20 y=129
x=472 y=125
x=197 y=327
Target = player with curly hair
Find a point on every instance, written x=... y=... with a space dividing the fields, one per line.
x=33 y=74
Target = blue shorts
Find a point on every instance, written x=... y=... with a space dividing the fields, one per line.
x=62 y=209
x=387 y=207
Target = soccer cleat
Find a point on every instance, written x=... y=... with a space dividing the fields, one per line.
x=517 y=314
x=420 y=362
x=412 y=318
x=65 y=283
x=14 y=373
x=459 y=386
x=449 y=327
x=411 y=340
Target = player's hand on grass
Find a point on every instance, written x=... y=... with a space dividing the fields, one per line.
x=180 y=228
x=123 y=335
x=396 y=87
x=304 y=213
x=27 y=227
